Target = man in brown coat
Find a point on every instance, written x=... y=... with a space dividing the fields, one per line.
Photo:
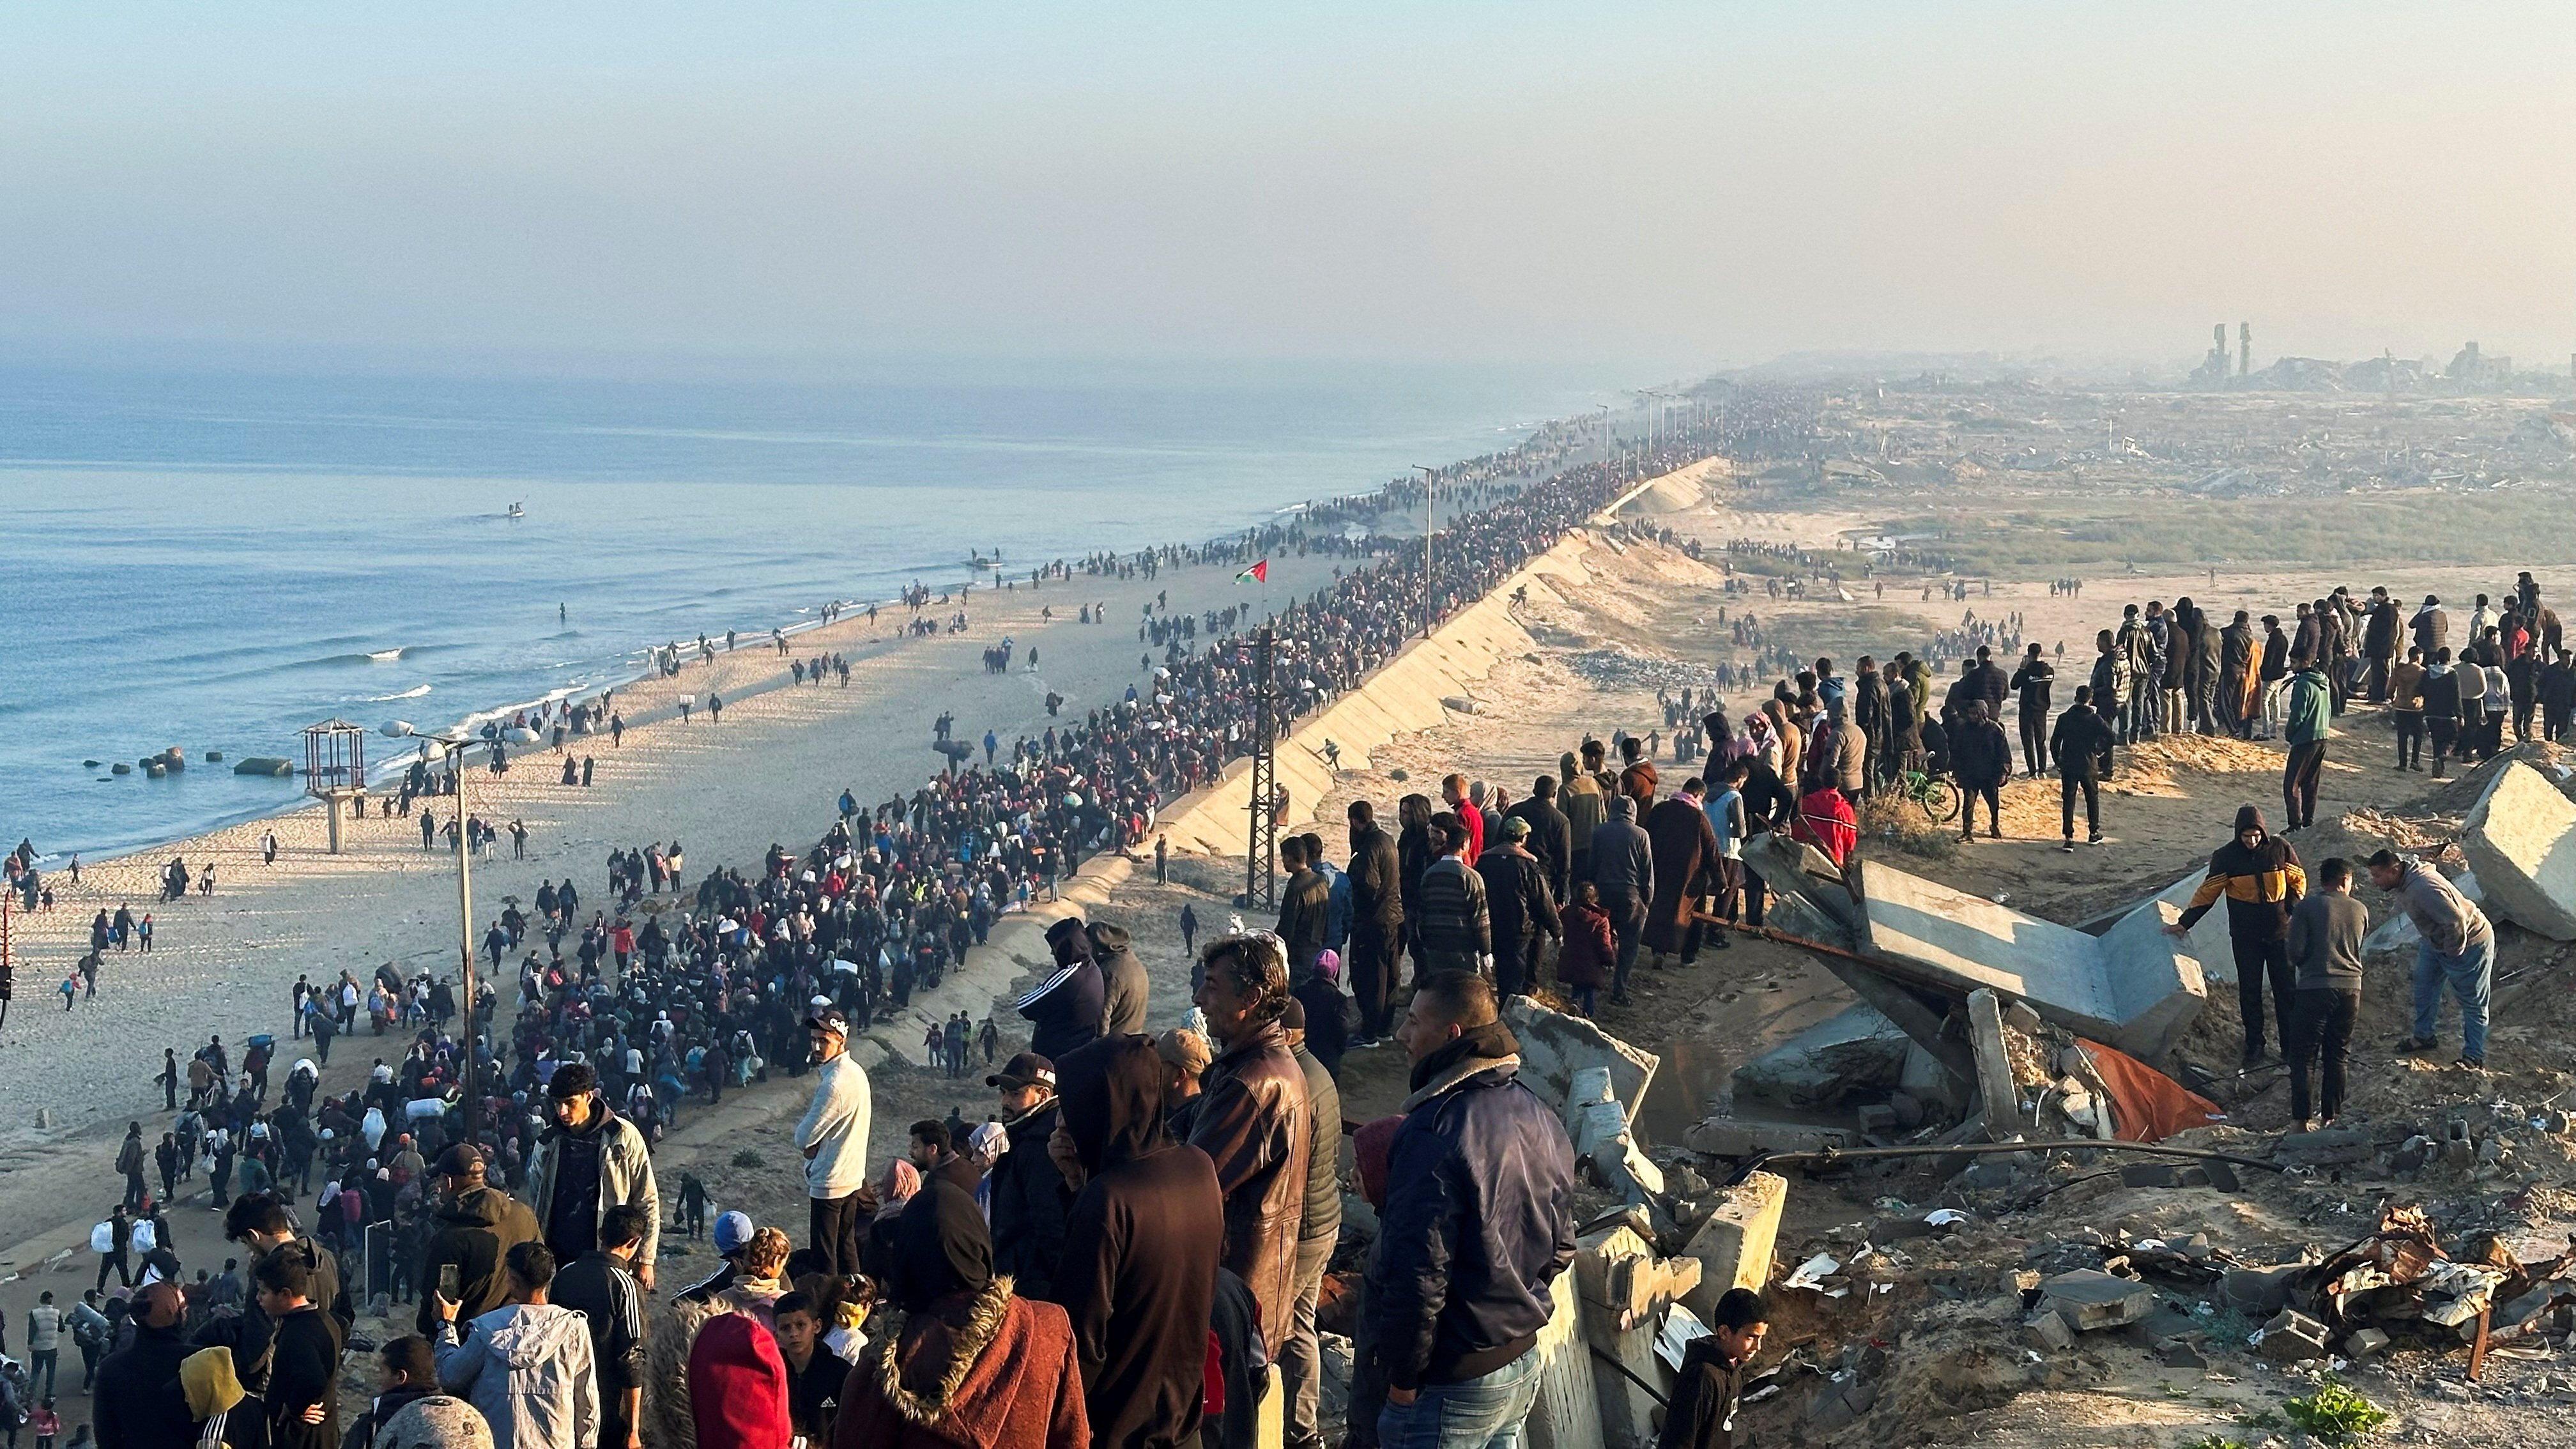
x=1252 y=1121
x=1686 y=855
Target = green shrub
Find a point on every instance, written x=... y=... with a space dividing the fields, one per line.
x=2334 y=1414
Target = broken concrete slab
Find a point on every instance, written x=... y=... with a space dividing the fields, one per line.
x=1734 y=1246
x=1605 y=1276
x=2258 y=1292
x=1568 y=1412
x=2335 y=1146
x=1798 y=874
x=1995 y=1079
x=1554 y=1046
x=1742 y=1137
x=2521 y=840
x=2093 y=1300
x=2364 y=1342
x=2133 y=987
x=2398 y=931
x=1857 y=1051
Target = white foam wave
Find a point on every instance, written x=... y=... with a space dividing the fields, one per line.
x=415 y=692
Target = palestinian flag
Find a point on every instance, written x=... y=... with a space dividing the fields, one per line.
x=1257 y=574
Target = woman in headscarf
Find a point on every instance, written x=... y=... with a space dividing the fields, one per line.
x=973 y=1365
x=1139 y=1271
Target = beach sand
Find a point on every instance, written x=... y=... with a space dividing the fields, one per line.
x=770 y=773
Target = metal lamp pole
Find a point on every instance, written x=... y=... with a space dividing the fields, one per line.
x=455 y=749
x=1430 y=522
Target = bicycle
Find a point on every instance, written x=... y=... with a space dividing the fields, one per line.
x=1938 y=797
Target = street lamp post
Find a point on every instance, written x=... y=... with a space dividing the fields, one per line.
x=455 y=749
x=1430 y=523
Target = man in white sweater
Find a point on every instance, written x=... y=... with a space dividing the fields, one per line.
x=834 y=1138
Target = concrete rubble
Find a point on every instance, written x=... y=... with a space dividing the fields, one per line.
x=2520 y=839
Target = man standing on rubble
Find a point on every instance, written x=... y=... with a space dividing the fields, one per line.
x=1477 y=1230
x=2260 y=876
x=2326 y=933
x=2458 y=948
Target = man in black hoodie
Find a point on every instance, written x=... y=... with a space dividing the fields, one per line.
x=1065 y=1009
x=2031 y=683
x=1377 y=920
x=140 y=1404
x=1138 y=1275
x=1551 y=837
x=2262 y=881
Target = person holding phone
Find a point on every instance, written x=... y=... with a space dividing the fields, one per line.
x=477 y=1225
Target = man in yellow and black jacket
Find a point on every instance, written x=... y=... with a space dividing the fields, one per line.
x=2261 y=879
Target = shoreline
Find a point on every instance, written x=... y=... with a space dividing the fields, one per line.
x=638 y=669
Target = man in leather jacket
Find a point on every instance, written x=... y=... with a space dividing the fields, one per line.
x=1252 y=1120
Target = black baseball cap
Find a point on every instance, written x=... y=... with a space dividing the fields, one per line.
x=461 y=1160
x=1027 y=1069
x=830 y=1019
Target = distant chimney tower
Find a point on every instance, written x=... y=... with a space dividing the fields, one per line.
x=2244 y=349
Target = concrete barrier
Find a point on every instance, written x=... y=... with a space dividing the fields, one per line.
x=2133 y=987
x=1402 y=697
x=2521 y=841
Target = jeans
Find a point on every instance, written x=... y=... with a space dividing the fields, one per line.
x=2470 y=974
x=2321 y=1032
x=40 y=1365
x=1301 y=1361
x=2410 y=737
x=1481 y=1413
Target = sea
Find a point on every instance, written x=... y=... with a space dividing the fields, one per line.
x=214 y=558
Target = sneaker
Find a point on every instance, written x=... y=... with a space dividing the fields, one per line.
x=2415 y=1046
x=2097 y=838
x=2252 y=1058
x=2069 y=846
x=2471 y=1064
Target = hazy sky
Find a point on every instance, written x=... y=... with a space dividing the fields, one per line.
x=1675 y=185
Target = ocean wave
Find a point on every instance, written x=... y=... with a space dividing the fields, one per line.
x=415 y=692
x=386 y=656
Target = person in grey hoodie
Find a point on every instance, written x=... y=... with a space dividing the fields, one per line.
x=2458 y=948
x=2326 y=933
x=1122 y=977
x=1622 y=862
x=526 y=1365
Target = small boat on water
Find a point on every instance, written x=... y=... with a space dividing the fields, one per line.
x=516 y=511
x=978 y=561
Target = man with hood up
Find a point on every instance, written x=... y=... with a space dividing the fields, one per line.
x=477 y=1225
x=525 y=1364
x=1065 y=1009
x=1026 y=1194
x=1623 y=871
x=2262 y=881
x=974 y=1366
x=1478 y=1226
x=1138 y=1276
x=140 y=1404
x=1125 y=988
x=738 y=1385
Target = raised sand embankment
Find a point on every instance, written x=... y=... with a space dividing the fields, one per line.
x=1403 y=696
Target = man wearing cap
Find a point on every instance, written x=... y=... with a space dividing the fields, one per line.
x=590 y=1161
x=1519 y=906
x=1065 y=1009
x=476 y=1224
x=733 y=1233
x=1027 y=1195
x=834 y=1138
x=1185 y=1057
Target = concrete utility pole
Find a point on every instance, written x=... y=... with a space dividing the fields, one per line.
x=2244 y=349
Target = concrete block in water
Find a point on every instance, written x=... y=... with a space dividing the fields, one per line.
x=2521 y=841
x=1858 y=1050
x=1734 y=1246
x=1555 y=1046
x=1737 y=1137
x=2133 y=987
